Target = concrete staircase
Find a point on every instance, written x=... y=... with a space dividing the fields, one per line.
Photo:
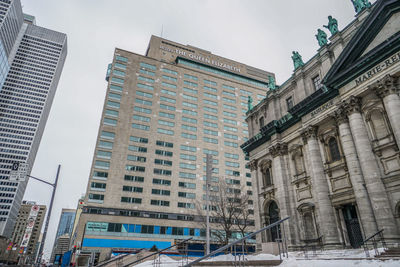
x=249 y=263
x=390 y=253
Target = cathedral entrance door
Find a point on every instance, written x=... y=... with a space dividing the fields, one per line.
x=273 y=213
x=352 y=225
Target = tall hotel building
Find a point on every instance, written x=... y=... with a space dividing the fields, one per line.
x=35 y=57
x=162 y=114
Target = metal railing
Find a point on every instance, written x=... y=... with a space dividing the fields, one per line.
x=312 y=245
x=157 y=253
x=374 y=241
x=117 y=258
x=239 y=260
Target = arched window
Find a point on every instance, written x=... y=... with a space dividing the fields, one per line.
x=334 y=149
x=267 y=177
x=378 y=123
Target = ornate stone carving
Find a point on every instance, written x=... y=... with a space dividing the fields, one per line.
x=386 y=86
x=309 y=132
x=253 y=165
x=340 y=114
x=279 y=149
x=351 y=105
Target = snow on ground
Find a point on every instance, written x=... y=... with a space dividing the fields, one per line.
x=329 y=258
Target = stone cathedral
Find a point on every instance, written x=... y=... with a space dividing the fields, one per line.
x=324 y=145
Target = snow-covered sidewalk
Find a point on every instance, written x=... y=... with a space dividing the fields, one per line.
x=329 y=258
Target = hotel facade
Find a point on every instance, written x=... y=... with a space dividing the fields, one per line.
x=324 y=146
x=162 y=114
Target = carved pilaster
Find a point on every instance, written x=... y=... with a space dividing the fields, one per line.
x=310 y=131
x=253 y=165
x=279 y=149
x=386 y=86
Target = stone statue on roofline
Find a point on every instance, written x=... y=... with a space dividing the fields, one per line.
x=332 y=25
x=322 y=38
x=249 y=103
x=271 y=83
x=360 y=5
x=297 y=60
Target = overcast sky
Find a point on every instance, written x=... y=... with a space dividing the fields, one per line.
x=259 y=33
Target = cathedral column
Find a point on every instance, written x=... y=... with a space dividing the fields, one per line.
x=258 y=209
x=281 y=183
x=367 y=217
x=370 y=169
x=387 y=89
x=326 y=217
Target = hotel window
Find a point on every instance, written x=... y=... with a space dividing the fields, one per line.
x=211 y=152
x=189 y=112
x=115 y=88
x=317 y=82
x=134 y=178
x=164 y=131
x=140 y=93
x=114 y=96
x=164 y=144
x=139 y=139
x=163 y=153
x=142 y=71
x=211 y=132
x=184 y=165
x=112 y=104
x=188 y=157
x=100 y=175
x=213 y=110
x=162 y=172
x=135 y=168
x=143 y=102
x=233 y=173
x=186 y=206
x=107 y=135
x=245 y=92
x=210 y=89
x=103 y=154
x=133 y=189
x=121 y=58
x=161 y=181
x=136 y=158
x=190 y=83
x=210 y=124
x=228 y=87
x=168 y=92
x=166 y=115
x=144 y=86
x=137 y=149
x=159 y=202
x=229 y=114
x=231 y=136
x=120 y=66
x=211 y=117
x=105 y=144
x=231 y=156
x=188 y=90
x=214 y=161
x=232 y=164
x=231 y=144
x=166 y=99
x=188 y=76
x=189 y=105
x=111 y=113
x=141 y=118
x=163 y=162
x=232 y=101
x=189 y=97
x=189 y=136
x=232 y=181
x=289 y=102
x=102 y=164
x=189 y=128
x=145 y=79
x=166 y=123
x=209 y=102
x=169 y=71
x=229 y=128
x=190 y=120
x=210 y=82
x=187 y=195
x=140 y=127
x=160 y=192
x=233 y=122
x=167 y=107
x=117 y=80
x=210 y=95
x=210 y=140
x=187 y=175
x=131 y=200
x=148 y=66
x=172 y=79
x=188 y=148
x=96 y=197
x=142 y=110
x=229 y=107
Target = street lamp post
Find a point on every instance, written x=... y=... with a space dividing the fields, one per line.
x=39 y=259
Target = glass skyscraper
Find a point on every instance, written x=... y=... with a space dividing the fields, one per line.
x=36 y=59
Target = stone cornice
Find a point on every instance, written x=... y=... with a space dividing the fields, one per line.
x=279 y=149
x=386 y=86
